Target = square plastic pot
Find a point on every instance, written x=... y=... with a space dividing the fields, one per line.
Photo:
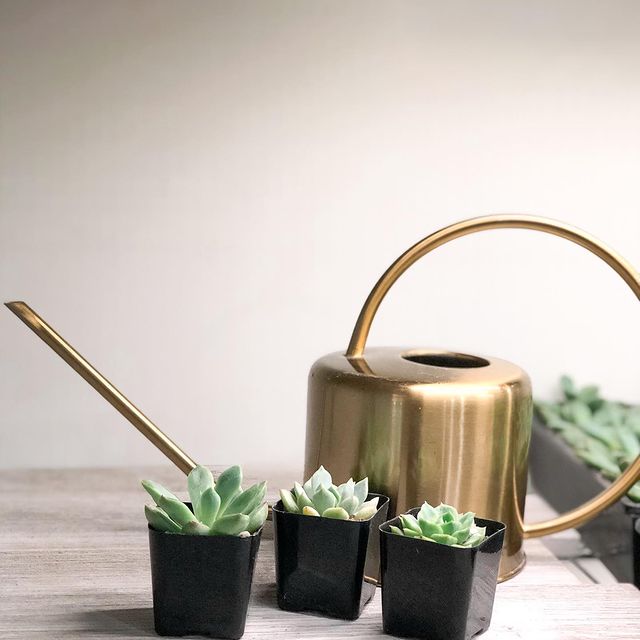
x=320 y=562
x=636 y=552
x=435 y=591
x=201 y=584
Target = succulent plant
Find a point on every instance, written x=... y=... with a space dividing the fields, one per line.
x=605 y=435
x=318 y=496
x=442 y=524
x=219 y=508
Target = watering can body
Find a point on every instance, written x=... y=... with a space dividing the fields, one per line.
x=427 y=424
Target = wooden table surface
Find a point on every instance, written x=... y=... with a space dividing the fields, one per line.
x=74 y=563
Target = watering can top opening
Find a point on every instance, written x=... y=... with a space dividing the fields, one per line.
x=428 y=366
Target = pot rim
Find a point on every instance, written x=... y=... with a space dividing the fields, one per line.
x=206 y=537
x=500 y=528
x=278 y=507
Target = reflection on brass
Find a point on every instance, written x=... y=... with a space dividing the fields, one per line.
x=102 y=386
x=427 y=424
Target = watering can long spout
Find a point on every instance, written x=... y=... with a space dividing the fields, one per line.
x=102 y=386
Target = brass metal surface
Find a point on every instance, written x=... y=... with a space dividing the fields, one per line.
x=428 y=424
x=422 y=432
x=102 y=386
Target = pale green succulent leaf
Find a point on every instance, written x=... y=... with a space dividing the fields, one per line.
x=350 y=505
x=308 y=487
x=474 y=540
x=323 y=499
x=448 y=526
x=466 y=519
x=367 y=509
x=246 y=501
x=428 y=528
x=346 y=489
x=629 y=442
x=361 y=489
x=590 y=395
x=198 y=481
x=410 y=533
x=443 y=538
x=310 y=511
x=447 y=516
x=257 y=518
x=207 y=507
x=365 y=512
x=303 y=499
x=427 y=512
x=443 y=509
x=228 y=485
x=475 y=530
x=195 y=528
x=461 y=535
x=577 y=412
x=568 y=387
x=337 y=513
x=321 y=478
x=156 y=491
x=371 y=503
x=230 y=525
x=410 y=522
x=159 y=520
x=288 y=501
x=395 y=530
x=634 y=492
x=176 y=510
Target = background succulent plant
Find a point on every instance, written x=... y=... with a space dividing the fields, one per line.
x=442 y=524
x=604 y=434
x=320 y=497
x=219 y=507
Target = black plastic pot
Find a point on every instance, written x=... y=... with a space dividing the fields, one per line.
x=565 y=481
x=201 y=584
x=438 y=592
x=636 y=552
x=320 y=562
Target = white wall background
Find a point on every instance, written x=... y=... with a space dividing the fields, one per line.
x=199 y=196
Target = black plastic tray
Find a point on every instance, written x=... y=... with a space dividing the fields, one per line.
x=565 y=482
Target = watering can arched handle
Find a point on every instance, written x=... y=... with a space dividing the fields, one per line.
x=623 y=483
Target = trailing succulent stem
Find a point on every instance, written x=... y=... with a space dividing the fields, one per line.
x=604 y=434
x=443 y=525
x=318 y=496
x=219 y=507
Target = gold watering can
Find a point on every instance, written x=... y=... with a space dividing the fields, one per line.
x=427 y=424
x=421 y=423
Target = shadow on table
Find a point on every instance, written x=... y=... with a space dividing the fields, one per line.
x=120 y=622
x=264 y=595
